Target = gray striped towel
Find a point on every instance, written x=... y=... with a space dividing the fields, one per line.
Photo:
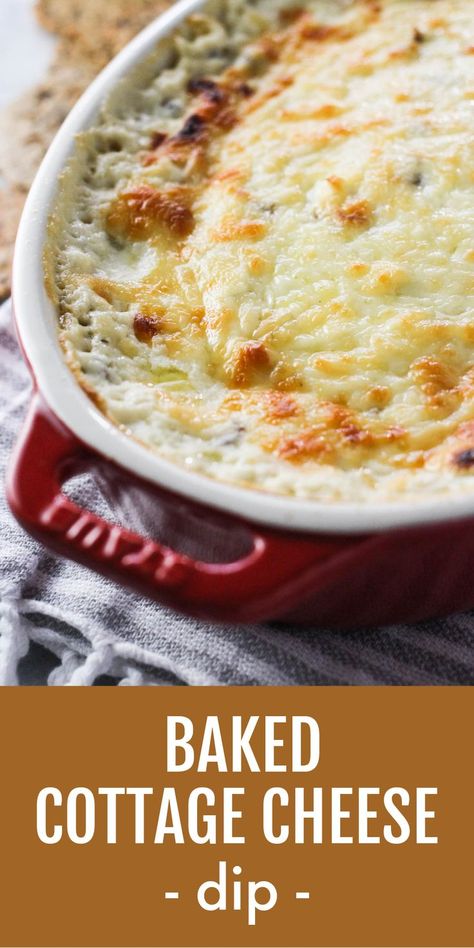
x=94 y=628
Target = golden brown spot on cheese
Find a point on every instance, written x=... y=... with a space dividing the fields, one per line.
x=214 y=106
x=280 y=406
x=385 y=279
x=269 y=47
x=251 y=361
x=193 y=129
x=358 y=269
x=304 y=446
x=197 y=315
x=245 y=89
x=233 y=401
x=226 y=119
x=208 y=88
x=290 y=15
x=146 y=327
x=440 y=385
x=344 y=423
x=148 y=158
x=466 y=385
x=189 y=148
x=157 y=139
x=231 y=174
x=434 y=378
x=141 y=212
x=354 y=434
x=240 y=230
x=337 y=433
x=456 y=452
x=333 y=367
x=357 y=214
x=319 y=32
x=288 y=382
x=284 y=379
x=336 y=183
x=215 y=111
x=394 y=433
x=112 y=291
x=413 y=460
x=103 y=288
x=433 y=375
x=338 y=130
x=193 y=137
x=257 y=265
x=374 y=8
x=334 y=414
x=379 y=396
x=326 y=111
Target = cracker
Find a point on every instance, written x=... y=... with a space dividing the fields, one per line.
x=11 y=203
x=94 y=32
x=28 y=125
x=89 y=35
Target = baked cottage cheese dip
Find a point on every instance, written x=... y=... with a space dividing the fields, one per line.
x=262 y=254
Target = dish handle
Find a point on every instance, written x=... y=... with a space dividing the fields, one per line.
x=264 y=584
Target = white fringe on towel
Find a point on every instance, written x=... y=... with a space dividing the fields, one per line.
x=120 y=660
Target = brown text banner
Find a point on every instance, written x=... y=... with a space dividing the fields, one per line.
x=239 y=816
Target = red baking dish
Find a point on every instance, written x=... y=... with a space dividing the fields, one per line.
x=339 y=565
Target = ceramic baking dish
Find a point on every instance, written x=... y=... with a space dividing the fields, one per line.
x=340 y=565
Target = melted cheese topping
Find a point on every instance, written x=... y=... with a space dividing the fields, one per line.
x=263 y=254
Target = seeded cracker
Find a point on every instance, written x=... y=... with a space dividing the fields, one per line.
x=90 y=33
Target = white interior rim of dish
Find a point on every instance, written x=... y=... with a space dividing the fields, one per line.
x=37 y=325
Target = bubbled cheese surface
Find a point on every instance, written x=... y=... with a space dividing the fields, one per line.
x=263 y=254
